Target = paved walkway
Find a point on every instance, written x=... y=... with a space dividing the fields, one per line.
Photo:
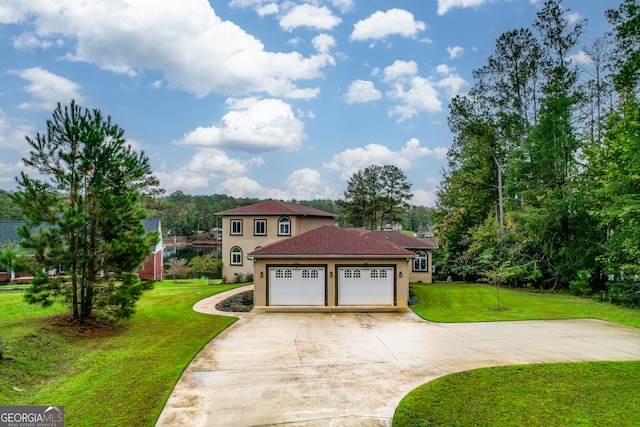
x=352 y=369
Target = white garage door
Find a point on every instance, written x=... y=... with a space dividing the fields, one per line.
x=365 y=285
x=296 y=286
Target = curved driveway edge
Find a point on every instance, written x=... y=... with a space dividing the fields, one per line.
x=352 y=369
x=208 y=305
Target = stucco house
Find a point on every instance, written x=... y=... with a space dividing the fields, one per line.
x=333 y=267
x=422 y=267
x=248 y=228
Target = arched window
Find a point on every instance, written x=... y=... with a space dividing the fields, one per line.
x=284 y=226
x=421 y=261
x=236 y=256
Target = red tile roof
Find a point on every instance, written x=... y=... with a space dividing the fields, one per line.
x=276 y=207
x=404 y=240
x=330 y=240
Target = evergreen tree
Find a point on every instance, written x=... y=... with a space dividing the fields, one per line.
x=375 y=197
x=86 y=206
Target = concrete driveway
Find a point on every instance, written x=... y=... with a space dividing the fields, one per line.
x=352 y=369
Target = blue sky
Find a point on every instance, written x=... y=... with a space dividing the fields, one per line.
x=258 y=98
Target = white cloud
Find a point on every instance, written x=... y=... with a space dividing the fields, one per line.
x=307 y=184
x=217 y=164
x=8 y=173
x=182 y=180
x=444 y=69
x=12 y=135
x=383 y=24
x=268 y=9
x=206 y=164
x=572 y=17
x=424 y=198
x=47 y=89
x=361 y=91
x=453 y=84
x=303 y=184
x=455 y=52
x=307 y=15
x=418 y=95
x=445 y=5
x=323 y=43
x=241 y=187
x=343 y=5
x=29 y=41
x=352 y=160
x=400 y=69
x=252 y=125
x=580 y=58
x=195 y=49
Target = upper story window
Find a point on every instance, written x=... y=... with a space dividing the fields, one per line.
x=421 y=261
x=236 y=227
x=284 y=226
x=260 y=227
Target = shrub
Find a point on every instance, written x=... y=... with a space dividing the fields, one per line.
x=239 y=278
x=249 y=277
x=581 y=286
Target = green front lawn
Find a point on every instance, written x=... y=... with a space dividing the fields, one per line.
x=466 y=302
x=563 y=394
x=111 y=376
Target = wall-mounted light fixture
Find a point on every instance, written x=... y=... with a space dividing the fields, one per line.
x=400 y=274
x=331 y=274
x=262 y=274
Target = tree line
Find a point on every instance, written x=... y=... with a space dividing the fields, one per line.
x=194 y=215
x=542 y=186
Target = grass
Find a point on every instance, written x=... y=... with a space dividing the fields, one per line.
x=465 y=302
x=563 y=394
x=111 y=377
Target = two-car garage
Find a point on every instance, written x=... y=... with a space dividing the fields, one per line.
x=331 y=268
x=356 y=285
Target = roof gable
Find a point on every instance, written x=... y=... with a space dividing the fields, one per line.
x=404 y=240
x=276 y=207
x=331 y=240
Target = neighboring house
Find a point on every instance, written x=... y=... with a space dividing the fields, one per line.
x=248 y=228
x=332 y=267
x=9 y=234
x=421 y=268
x=152 y=267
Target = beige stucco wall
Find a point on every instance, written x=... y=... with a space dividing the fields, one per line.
x=261 y=273
x=248 y=242
x=422 y=276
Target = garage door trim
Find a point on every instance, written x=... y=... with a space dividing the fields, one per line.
x=394 y=268
x=298 y=267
